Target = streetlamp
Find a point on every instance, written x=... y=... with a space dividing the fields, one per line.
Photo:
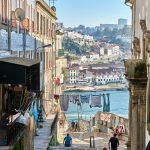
x=48 y=45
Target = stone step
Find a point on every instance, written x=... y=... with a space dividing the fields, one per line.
x=71 y=148
x=5 y=147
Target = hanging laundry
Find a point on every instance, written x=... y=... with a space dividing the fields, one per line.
x=96 y=101
x=84 y=98
x=64 y=102
x=33 y=110
x=75 y=99
x=106 y=103
x=71 y=98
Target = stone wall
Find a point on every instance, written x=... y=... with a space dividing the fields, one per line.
x=107 y=122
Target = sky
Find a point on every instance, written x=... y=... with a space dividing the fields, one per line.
x=91 y=12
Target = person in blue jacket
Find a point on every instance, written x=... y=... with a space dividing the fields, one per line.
x=67 y=141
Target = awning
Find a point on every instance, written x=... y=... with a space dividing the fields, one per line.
x=19 y=61
x=16 y=70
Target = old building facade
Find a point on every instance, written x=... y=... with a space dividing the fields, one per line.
x=138 y=75
x=45 y=27
x=34 y=37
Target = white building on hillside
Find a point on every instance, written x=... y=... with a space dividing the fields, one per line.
x=73 y=74
x=94 y=57
x=83 y=59
x=109 y=78
x=110 y=50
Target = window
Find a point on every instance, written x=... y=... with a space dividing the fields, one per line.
x=41 y=24
x=14 y=5
x=32 y=26
x=37 y=56
x=37 y=21
x=47 y=27
x=44 y=25
x=41 y=55
x=4 y=11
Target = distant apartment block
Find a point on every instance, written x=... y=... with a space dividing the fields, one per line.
x=110 y=50
x=90 y=58
x=108 y=26
x=122 y=23
x=72 y=74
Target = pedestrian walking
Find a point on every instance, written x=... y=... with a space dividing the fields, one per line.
x=67 y=141
x=113 y=142
x=72 y=125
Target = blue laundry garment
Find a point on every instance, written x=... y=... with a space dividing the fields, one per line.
x=35 y=111
x=84 y=98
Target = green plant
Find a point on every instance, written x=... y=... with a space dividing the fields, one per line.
x=140 y=70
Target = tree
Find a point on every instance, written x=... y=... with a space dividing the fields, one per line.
x=74 y=47
x=64 y=73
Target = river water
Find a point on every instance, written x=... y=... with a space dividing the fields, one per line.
x=118 y=105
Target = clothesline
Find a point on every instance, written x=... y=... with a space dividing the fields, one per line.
x=94 y=100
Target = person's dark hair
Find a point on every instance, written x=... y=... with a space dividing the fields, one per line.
x=67 y=134
x=115 y=134
x=104 y=148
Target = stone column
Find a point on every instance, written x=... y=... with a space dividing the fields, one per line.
x=142 y=111
x=129 y=120
x=134 y=136
x=138 y=92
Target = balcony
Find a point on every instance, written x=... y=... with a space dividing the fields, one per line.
x=135 y=69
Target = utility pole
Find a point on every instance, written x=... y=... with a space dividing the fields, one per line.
x=9 y=24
